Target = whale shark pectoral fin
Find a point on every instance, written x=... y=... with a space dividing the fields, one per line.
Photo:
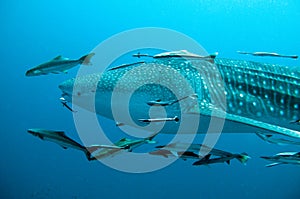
x=263 y=125
x=247 y=121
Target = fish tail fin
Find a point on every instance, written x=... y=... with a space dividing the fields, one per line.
x=211 y=58
x=243 y=158
x=86 y=59
x=291 y=56
x=89 y=155
x=294 y=56
x=89 y=150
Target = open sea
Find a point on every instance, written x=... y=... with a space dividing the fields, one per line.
x=33 y=32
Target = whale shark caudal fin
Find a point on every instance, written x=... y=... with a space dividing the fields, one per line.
x=243 y=157
x=86 y=59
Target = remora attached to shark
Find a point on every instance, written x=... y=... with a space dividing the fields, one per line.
x=283 y=158
x=280 y=141
x=258 y=95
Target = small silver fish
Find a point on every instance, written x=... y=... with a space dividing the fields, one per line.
x=269 y=54
x=243 y=158
x=267 y=137
x=176 y=119
x=283 y=158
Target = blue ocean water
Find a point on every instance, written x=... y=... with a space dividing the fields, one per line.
x=35 y=31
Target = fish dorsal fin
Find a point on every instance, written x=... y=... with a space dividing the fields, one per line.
x=184 y=51
x=61 y=133
x=40 y=136
x=59 y=57
x=63 y=146
x=269 y=135
x=124 y=140
x=190 y=153
x=174 y=153
x=207 y=157
x=298 y=154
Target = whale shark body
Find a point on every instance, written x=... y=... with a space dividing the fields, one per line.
x=252 y=96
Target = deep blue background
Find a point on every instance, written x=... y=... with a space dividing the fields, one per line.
x=33 y=32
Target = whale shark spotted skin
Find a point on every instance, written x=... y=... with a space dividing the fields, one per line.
x=249 y=95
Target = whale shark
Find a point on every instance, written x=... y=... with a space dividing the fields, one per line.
x=249 y=96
